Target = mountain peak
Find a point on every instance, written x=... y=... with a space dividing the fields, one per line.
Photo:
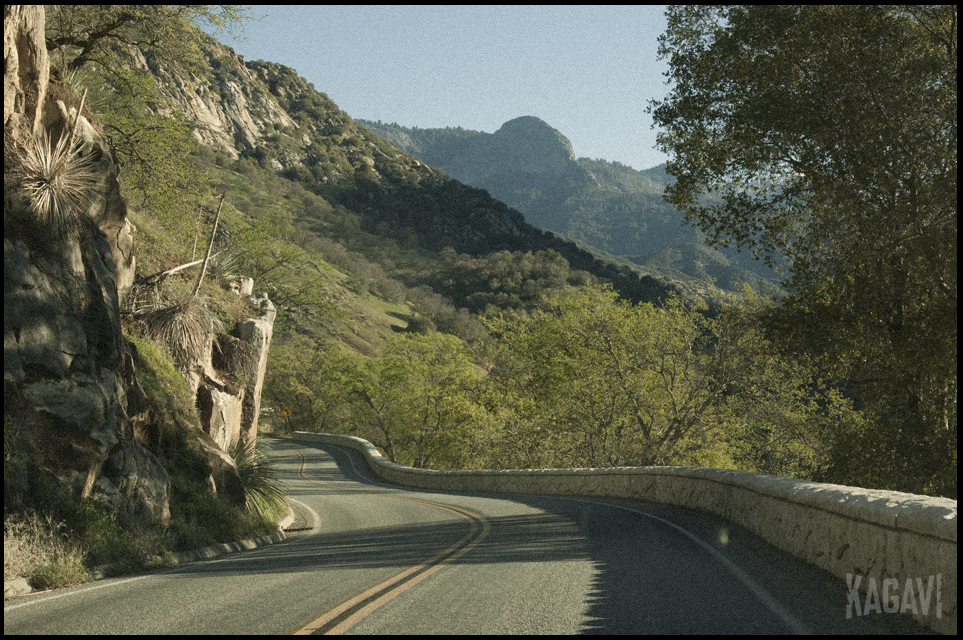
x=525 y=145
x=535 y=143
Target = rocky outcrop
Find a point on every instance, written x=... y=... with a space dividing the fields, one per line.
x=525 y=145
x=73 y=406
x=229 y=411
x=65 y=384
x=26 y=68
x=228 y=111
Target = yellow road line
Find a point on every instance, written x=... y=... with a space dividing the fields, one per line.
x=402 y=581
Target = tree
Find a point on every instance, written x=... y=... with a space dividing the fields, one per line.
x=828 y=134
x=780 y=416
x=85 y=34
x=416 y=400
x=106 y=48
x=306 y=386
x=597 y=381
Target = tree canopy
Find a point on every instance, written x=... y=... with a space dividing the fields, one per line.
x=828 y=134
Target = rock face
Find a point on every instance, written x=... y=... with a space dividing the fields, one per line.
x=65 y=383
x=229 y=113
x=229 y=412
x=26 y=69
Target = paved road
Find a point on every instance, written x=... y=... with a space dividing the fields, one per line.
x=383 y=559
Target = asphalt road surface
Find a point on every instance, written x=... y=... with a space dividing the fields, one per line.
x=379 y=558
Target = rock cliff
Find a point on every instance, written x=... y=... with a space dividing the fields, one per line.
x=74 y=408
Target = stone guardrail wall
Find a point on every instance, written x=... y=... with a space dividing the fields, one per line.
x=845 y=530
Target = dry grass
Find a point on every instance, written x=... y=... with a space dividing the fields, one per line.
x=233 y=356
x=145 y=297
x=34 y=547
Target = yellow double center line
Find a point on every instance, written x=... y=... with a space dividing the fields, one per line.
x=345 y=615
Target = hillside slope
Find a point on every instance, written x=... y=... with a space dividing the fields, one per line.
x=531 y=167
x=266 y=113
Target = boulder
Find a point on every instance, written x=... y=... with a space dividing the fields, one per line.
x=220 y=413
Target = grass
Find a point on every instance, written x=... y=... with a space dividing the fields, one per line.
x=35 y=547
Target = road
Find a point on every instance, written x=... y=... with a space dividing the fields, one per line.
x=386 y=559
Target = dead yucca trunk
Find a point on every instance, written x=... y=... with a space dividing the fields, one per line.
x=183 y=328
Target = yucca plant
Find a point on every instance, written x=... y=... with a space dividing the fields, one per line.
x=183 y=328
x=265 y=492
x=59 y=181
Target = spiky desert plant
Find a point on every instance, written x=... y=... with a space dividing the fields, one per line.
x=224 y=265
x=184 y=329
x=58 y=180
x=146 y=295
x=265 y=491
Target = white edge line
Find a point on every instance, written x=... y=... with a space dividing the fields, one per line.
x=790 y=620
x=101 y=585
x=314 y=514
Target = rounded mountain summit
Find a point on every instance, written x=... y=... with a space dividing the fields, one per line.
x=525 y=145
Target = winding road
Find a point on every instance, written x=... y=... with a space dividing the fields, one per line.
x=378 y=558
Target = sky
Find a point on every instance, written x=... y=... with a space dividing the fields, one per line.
x=587 y=71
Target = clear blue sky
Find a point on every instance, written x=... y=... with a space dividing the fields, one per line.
x=587 y=71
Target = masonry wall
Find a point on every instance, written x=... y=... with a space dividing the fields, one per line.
x=845 y=530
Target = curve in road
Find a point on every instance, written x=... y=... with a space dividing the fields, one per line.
x=382 y=558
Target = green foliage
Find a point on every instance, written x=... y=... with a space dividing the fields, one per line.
x=305 y=385
x=590 y=380
x=607 y=383
x=151 y=141
x=258 y=473
x=828 y=133
x=161 y=381
x=414 y=399
x=90 y=34
x=782 y=418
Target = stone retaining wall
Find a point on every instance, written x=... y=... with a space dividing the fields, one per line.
x=845 y=530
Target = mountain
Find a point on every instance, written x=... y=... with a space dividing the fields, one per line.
x=531 y=166
x=265 y=113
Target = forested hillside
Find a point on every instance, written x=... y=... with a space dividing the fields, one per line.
x=608 y=206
